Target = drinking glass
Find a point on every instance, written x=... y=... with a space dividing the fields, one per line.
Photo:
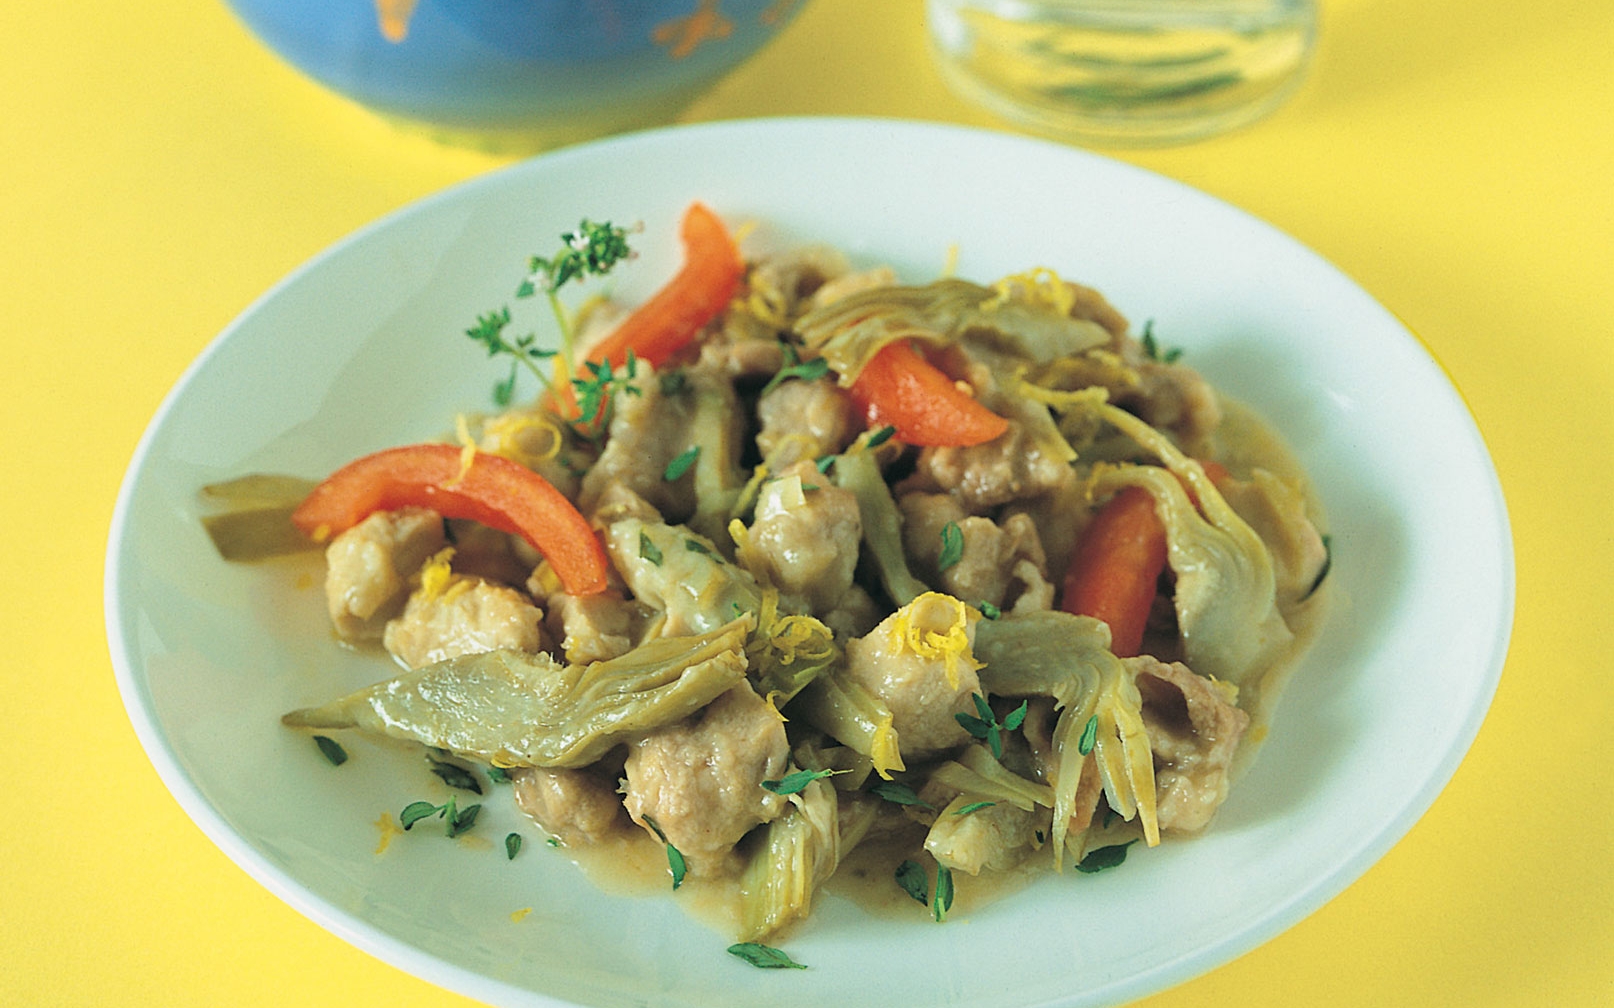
x=1124 y=72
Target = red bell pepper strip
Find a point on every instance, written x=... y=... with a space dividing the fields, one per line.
x=493 y=490
x=695 y=295
x=1115 y=571
x=899 y=388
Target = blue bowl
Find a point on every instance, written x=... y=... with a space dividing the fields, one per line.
x=517 y=74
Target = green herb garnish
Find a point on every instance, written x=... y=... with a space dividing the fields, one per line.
x=458 y=820
x=987 y=727
x=594 y=392
x=973 y=807
x=524 y=350
x=944 y=893
x=795 y=367
x=498 y=775
x=989 y=610
x=794 y=783
x=512 y=845
x=764 y=956
x=898 y=794
x=592 y=250
x=879 y=437
x=1084 y=745
x=696 y=546
x=1104 y=858
x=1152 y=348
x=675 y=858
x=649 y=550
x=454 y=775
x=911 y=877
x=332 y=749
x=680 y=465
x=952 y=546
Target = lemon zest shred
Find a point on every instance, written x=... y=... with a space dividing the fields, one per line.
x=1062 y=399
x=436 y=574
x=462 y=432
x=951 y=646
x=1039 y=286
x=747 y=497
x=520 y=915
x=506 y=435
x=767 y=306
x=1094 y=366
x=884 y=751
x=772 y=701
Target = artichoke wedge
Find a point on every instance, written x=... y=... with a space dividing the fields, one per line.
x=848 y=332
x=1068 y=658
x=511 y=708
x=799 y=851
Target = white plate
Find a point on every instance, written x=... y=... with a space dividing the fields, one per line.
x=362 y=348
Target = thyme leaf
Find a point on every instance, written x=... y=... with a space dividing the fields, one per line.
x=796 y=782
x=681 y=463
x=454 y=775
x=1152 y=348
x=763 y=956
x=332 y=750
x=1104 y=858
x=898 y=794
x=910 y=875
x=1084 y=745
x=952 y=546
x=944 y=893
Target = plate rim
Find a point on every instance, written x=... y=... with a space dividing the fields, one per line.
x=140 y=704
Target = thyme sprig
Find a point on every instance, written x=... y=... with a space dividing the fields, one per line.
x=593 y=249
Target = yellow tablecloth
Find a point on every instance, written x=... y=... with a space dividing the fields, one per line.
x=159 y=170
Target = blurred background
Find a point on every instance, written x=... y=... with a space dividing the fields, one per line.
x=162 y=168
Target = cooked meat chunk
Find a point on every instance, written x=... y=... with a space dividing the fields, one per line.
x=743 y=357
x=1178 y=400
x=701 y=781
x=1095 y=307
x=489 y=553
x=573 y=806
x=1194 y=732
x=805 y=541
x=855 y=615
x=919 y=662
x=1012 y=467
x=1000 y=564
x=804 y=420
x=368 y=568
x=595 y=627
x=467 y=616
x=787 y=281
x=647 y=431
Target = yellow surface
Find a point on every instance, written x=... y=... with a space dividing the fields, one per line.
x=159 y=170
